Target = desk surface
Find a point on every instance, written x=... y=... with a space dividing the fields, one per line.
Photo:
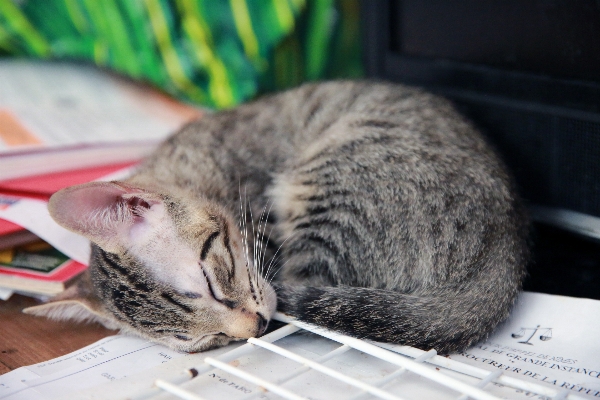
x=25 y=339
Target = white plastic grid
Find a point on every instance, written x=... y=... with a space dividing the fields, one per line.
x=409 y=359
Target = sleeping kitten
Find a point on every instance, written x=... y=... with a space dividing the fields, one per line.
x=383 y=212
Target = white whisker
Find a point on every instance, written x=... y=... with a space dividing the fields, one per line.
x=275 y=272
x=268 y=238
x=275 y=256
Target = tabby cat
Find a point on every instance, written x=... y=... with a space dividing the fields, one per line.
x=368 y=208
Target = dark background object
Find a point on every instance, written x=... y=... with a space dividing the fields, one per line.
x=528 y=73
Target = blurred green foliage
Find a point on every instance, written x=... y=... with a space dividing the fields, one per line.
x=217 y=53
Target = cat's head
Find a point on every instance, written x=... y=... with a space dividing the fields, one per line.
x=166 y=267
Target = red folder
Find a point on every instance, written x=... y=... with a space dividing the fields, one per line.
x=43 y=186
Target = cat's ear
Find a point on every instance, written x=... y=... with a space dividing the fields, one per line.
x=77 y=303
x=104 y=212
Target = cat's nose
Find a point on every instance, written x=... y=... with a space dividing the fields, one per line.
x=262 y=324
x=245 y=323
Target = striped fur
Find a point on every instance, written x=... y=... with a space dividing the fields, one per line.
x=391 y=220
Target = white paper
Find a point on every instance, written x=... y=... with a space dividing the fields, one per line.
x=5 y=293
x=109 y=359
x=574 y=324
x=70 y=115
x=33 y=215
x=64 y=104
x=549 y=340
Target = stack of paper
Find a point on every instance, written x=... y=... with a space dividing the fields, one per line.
x=60 y=125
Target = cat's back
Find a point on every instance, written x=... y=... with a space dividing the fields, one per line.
x=399 y=163
x=395 y=178
x=403 y=134
x=310 y=110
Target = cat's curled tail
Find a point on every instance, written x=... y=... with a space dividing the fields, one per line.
x=446 y=319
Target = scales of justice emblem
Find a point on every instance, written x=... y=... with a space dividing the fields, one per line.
x=545 y=335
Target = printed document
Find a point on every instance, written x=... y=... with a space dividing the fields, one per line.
x=548 y=340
